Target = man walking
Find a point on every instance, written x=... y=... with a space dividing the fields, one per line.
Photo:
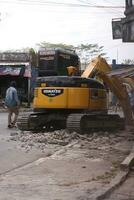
x=12 y=103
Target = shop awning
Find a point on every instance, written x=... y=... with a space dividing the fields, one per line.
x=15 y=69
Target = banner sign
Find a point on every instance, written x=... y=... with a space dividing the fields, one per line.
x=14 y=57
x=15 y=70
x=7 y=70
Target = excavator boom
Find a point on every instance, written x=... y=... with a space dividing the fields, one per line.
x=101 y=69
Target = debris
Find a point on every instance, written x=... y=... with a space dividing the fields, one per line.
x=13 y=133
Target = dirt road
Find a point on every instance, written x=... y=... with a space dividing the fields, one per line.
x=58 y=165
x=11 y=155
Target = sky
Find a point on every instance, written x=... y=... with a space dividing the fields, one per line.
x=25 y=23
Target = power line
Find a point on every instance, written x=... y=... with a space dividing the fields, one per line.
x=91 y=3
x=109 y=2
x=87 y=3
x=53 y=3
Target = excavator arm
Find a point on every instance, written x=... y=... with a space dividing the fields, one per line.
x=116 y=85
x=101 y=69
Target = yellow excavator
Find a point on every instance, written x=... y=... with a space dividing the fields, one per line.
x=78 y=103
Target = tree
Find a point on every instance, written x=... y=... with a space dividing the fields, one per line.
x=128 y=62
x=89 y=51
x=55 y=45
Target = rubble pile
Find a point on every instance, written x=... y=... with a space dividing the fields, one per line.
x=96 y=145
x=43 y=139
x=98 y=149
x=106 y=145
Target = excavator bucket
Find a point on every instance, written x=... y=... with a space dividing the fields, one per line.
x=97 y=64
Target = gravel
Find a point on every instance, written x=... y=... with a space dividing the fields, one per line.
x=100 y=144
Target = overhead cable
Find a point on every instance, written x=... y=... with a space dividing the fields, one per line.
x=53 y=3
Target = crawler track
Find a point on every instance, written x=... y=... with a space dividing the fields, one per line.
x=40 y=121
x=23 y=122
x=74 y=122
x=91 y=122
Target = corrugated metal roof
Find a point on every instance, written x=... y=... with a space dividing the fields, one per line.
x=14 y=63
x=124 y=72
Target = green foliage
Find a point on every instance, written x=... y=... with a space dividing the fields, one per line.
x=85 y=51
x=88 y=51
x=128 y=62
x=56 y=45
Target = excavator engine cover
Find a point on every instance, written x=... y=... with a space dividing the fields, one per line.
x=76 y=103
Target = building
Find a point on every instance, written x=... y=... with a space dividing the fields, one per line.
x=15 y=66
x=124 y=28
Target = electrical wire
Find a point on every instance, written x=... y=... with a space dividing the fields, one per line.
x=31 y=2
x=94 y=4
x=53 y=3
x=111 y=3
x=70 y=5
x=85 y=2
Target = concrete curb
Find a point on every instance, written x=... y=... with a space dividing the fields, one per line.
x=4 y=110
x=128 y=163
x=125 y=167
x=117 y=181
